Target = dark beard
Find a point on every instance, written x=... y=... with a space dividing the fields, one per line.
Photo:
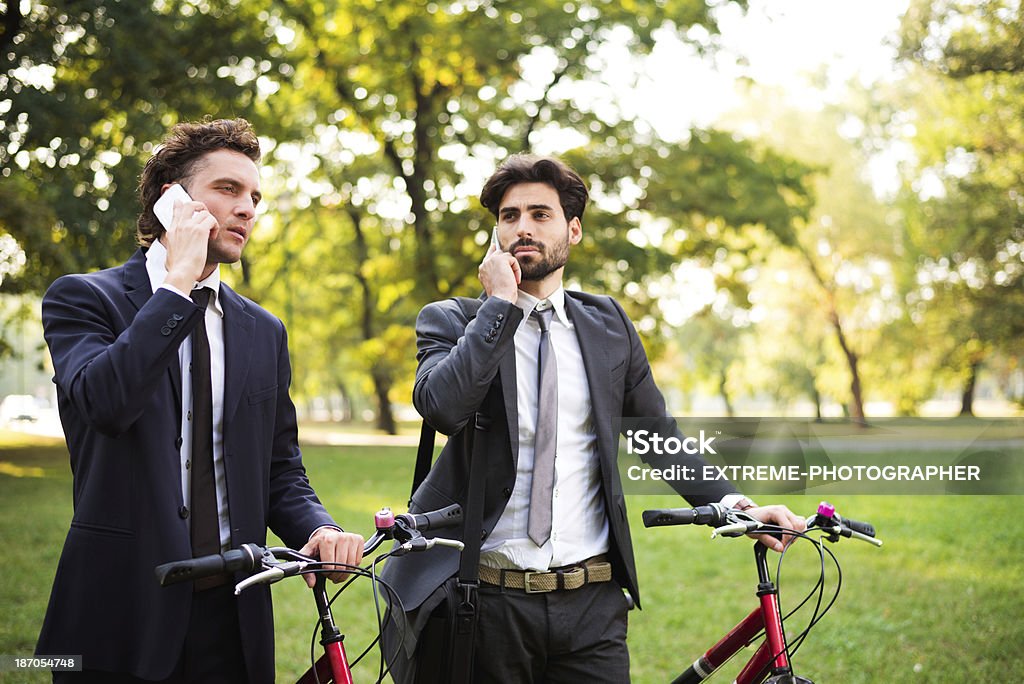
x=550 y=259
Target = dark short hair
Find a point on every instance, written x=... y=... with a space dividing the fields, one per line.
x=530 y=168
x=176 y=159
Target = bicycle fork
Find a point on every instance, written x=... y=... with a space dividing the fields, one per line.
x=771 y=658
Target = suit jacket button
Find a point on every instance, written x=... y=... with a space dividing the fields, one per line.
x=178 y=442
x=171 y=323
x=501 y=317
x=165 y=331
x=483 y=535
x=183 y=512
x=506 y=492
x=177 y=317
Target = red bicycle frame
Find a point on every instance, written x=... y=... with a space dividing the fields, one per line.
x=771 y=658
x=333 y=665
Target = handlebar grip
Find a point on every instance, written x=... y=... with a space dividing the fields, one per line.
x=864 y=528
x=445 y=517
x=712 y=514
x=659 y=517
x=247 y=557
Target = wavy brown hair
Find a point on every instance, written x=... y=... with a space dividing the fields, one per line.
x=177 y=158
x=530 y=168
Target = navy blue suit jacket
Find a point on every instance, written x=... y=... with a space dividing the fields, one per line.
x=114 y=345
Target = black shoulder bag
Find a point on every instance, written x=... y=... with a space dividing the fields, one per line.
x=444 y=653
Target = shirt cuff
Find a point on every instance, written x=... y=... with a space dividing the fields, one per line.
x=324 y=527
x=737 y=501
x=168 y=286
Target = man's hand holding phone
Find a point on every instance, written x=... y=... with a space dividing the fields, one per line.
x=189 y=226
x=500 y=272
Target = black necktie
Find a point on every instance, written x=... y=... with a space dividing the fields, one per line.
x=205 y=522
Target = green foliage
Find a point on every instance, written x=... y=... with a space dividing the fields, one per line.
x=963 y=201
x=87 y=89
x=381 y=121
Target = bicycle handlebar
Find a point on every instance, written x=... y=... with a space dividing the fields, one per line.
x=730 y=522
x=405 y=528
x=827 y=513
x=245 y=558
x=434 y=520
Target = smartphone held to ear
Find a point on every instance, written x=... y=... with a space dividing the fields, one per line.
x=494 y=240
x=164 y=207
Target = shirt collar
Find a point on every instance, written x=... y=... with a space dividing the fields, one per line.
x=556 y=300
x=156 y=267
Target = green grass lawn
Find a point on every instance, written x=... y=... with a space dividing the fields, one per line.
x=940 y=602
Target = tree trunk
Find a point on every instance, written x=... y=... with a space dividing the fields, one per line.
x=385 y=416
x=381 y=378
x=856 y=394
x=856 y=411
x=816 y=397
x=346 y=402
x=967 y=398
x=722 y=378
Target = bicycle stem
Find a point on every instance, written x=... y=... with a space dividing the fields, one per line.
x=331 y=637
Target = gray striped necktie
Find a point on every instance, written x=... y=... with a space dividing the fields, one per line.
x=545 y=443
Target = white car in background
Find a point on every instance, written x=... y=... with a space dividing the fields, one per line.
x=18 y=408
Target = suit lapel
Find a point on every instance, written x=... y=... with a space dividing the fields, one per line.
x=138 y=290
x=510 y=397
x=592 y=336
x=239 y=326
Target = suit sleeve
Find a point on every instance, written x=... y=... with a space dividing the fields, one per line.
x=458 y=360
x=105 y=364
x=642 y=399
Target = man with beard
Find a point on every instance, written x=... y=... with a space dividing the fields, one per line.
x=548 y=371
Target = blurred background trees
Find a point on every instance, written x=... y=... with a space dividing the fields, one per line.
x=381 y=120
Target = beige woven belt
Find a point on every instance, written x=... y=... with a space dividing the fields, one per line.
x=596 y=569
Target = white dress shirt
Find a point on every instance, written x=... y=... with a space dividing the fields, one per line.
x=579 y=523
x=156 y=266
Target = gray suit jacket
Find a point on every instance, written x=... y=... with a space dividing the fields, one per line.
x=467 y=366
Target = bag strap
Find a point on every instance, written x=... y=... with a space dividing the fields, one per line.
x=425 y=450
x=424 y=457
x=473 y=515
x=460 y=670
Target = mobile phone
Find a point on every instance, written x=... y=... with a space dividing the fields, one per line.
x=164 y=206
x=494 y=240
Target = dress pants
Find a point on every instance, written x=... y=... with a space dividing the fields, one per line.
x=568 y=636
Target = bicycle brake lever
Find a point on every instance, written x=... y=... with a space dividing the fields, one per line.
x=268 y=576
x=271 y=575
x=422 y=544
x=736 y=529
